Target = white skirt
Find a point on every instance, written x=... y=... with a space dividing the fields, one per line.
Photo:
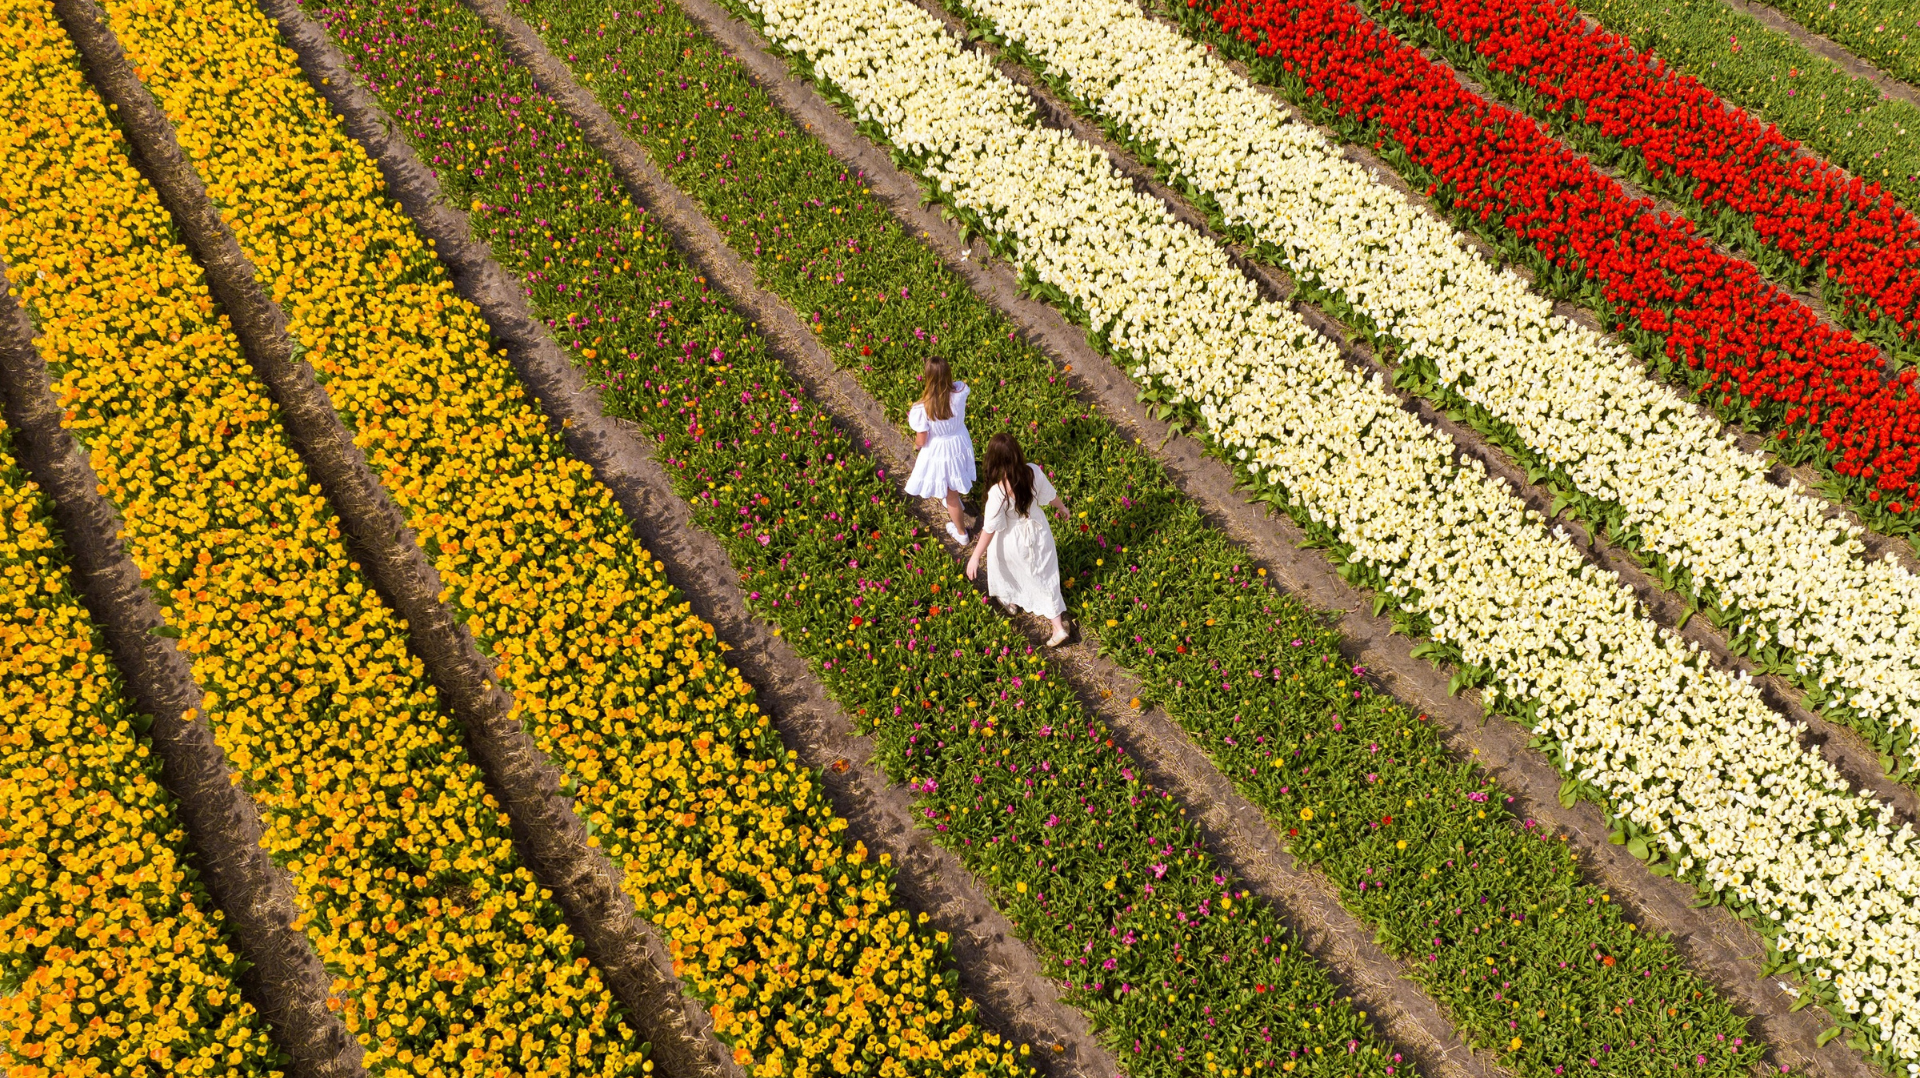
x=944 y=464
x=1023 y=568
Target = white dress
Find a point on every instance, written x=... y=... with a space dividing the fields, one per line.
x=1022 y=566
x=946 y=461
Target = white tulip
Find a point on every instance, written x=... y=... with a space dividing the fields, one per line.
x=1579 y=402
x=1688 y=754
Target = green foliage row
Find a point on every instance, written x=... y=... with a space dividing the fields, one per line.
x=1423 y=846
x=1179 y=967
x=1844 y=119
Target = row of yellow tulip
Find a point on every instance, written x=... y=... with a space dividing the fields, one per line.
x=447 y=954
x=114 y=958
x=727 y=843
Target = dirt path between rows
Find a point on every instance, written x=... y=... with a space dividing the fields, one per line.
x=1827 y=49
x=1716 y=943
x=997 y=971
x=1878 y=544
x=1235 y=828
x=1849 y=752
x=549 y=837
x=285 y=981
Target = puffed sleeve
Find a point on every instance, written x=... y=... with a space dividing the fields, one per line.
x=917 y=418
x=1043 y=491
x=995 y=519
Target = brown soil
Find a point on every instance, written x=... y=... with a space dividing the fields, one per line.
x=996 y=970
x=1826 y=48
x=1718 y=945
x=1235 y=828
x=1847 y=751
x=286 y=982
x=1878 y=544
x=551 y=839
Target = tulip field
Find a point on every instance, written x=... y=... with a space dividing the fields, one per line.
x=1521 y=325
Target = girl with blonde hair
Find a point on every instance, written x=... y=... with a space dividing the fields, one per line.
x=944 y=466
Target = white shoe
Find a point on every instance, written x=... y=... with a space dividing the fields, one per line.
x=1060 y=637
x=958 y=535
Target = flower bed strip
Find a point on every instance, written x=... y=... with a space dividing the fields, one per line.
x=1758 y=357
x=1097 y=886
x=255 y=897
x=116 y=957
x=995 y=971
x=1833 y=104
x=368 y=798
x=1204 y=375
x=1802 y=221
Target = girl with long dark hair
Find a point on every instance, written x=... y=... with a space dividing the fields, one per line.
x=1016 y=542
x=944 y=466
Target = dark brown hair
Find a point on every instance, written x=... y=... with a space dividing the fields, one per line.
x=1006 y=464
x=936 y=388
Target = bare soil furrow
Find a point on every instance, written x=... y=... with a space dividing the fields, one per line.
x=553 y=841
x=285 y=981
x=1718 y=945
x=997 y=971
x=1237 y=831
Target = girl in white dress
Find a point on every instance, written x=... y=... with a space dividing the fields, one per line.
x=944 y=467
x=1016 y=542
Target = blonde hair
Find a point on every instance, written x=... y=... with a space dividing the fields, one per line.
x=936 y=395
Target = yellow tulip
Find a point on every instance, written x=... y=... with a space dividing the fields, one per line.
x=92 y=865
x=309 y=687
x=528 y=540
